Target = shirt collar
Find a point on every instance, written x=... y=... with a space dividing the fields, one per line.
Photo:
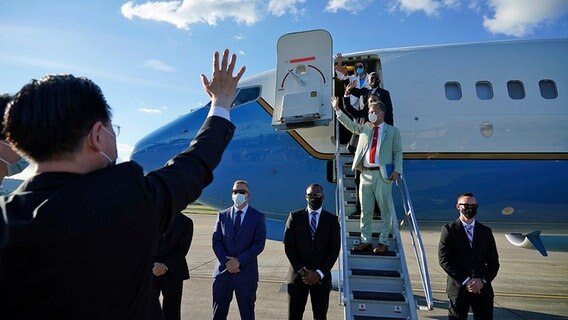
x=318 y=210
x=243 y=210
x=471 y=224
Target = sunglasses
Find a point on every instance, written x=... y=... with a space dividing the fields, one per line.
x=314 y=195
x=240 y=191
x=469 y=205
x=359 y=66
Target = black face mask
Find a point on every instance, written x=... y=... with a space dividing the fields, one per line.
x=315 y=203
x=469 y=212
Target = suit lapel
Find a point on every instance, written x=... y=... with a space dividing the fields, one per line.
x=247 y=220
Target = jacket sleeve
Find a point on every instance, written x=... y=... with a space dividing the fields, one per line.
x=334 y=245
x=447 y=256
x=397 y=151
x=290 y=244
x=181 y=247
x=491 y=259
x=218 y=245
x=349 y=124
x=183 y=178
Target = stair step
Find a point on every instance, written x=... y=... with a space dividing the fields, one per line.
x=375 y=273
x=375 y=234
x=378 y=296
x=357 y=217
x=370 y=253
x=375 y=318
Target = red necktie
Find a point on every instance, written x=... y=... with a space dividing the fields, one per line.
x=374 y=145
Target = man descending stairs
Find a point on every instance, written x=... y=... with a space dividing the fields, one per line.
x=375 y=286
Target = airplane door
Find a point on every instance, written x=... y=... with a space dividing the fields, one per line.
x=304 y=80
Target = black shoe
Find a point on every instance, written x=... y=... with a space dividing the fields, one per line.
x=362 y=247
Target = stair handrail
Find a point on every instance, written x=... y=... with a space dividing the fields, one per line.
x=343 y=284
x=416 y=239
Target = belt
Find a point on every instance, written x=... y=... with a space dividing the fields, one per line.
x=372 y=168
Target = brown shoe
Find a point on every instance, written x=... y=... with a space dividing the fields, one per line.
x=380 y=249
x=362 y=247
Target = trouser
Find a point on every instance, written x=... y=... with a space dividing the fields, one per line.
x=481 y=304
x=171 y=296
x=298 y=296
x=223 y=294
x=373 y=188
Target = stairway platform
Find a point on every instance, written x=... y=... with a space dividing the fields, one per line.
x=375 y=273
x=378 y=296
x=371 y=253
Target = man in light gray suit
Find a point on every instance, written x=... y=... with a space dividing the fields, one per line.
x=379 y=158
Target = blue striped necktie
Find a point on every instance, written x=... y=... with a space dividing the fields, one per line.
x=313 y=224
x=469 y=232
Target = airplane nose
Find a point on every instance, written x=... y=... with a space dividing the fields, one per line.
x=155 y=149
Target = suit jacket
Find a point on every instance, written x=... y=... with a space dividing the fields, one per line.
x=384 y=97
x=390 y=145
x=317 y=254
x=83 y=246
x=461 y=261
x=174 y=246
x=246 y=246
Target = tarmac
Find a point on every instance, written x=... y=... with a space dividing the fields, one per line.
x=528 y=285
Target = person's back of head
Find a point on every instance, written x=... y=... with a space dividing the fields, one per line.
x=4 y=99
x=48 y=118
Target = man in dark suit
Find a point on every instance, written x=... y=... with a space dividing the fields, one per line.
x=363 y=94
x=170 y=268
x=468 y=254
x=312 y=243
x=238 y=239
x=83 y=232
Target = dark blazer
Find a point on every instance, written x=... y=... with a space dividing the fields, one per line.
x=246 y=246
x=174 y=246
x=384 y=97
x=83 y=246
x=460 y=261
x=321 y=253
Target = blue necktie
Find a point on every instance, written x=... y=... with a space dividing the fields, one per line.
x=313 y=224
x=469 y=232
x=237 y=222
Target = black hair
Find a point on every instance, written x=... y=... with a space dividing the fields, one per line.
x=48 y=118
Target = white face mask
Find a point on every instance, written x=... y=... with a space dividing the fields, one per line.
x=239 y=199
x=372 y=117
x=15 y=167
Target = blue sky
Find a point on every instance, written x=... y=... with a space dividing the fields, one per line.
x=147 y=56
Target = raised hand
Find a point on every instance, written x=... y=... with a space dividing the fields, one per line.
x=222 y=86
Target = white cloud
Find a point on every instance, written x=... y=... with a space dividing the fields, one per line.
x=430 y=7
x=184 y=13
x=520 y=17
x=158 y=65
x=281 y=7
x=238 y=37
x=124 y=151
x=242 y=53
x=347 y=5
x=149 y=110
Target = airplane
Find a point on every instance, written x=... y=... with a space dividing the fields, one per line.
x=486 y=117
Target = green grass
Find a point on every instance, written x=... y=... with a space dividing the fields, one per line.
x=199 y=209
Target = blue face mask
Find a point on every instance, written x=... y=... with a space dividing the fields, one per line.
x=15 y=167
x=360 y=70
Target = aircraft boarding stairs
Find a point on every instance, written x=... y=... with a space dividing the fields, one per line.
x=373 y=287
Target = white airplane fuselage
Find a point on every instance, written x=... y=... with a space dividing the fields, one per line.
x=489 y=118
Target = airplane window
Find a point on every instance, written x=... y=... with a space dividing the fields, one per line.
x=516 y=89
x=246 y=95
x=484 y=90
x=548 y=89
x=453 y=90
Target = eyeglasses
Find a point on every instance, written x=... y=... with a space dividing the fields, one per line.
x=115 y=130
x=314 y=195
x=359 y=65
x=240 y=191
x=469 y=205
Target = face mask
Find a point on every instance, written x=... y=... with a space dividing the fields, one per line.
x=110 y=161
x=315 y=203
x=15 y=167
x=239 y=199
x=373 y=117
x=469 y=212
x=360 y=70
